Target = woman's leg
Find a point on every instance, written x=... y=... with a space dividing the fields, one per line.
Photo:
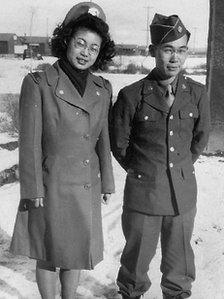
x=46 y=277
x=69 y=283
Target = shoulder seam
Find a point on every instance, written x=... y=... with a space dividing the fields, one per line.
x=35 y=76
x=194 y=82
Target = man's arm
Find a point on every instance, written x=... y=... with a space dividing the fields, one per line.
x=202 y=127
x=122 y=115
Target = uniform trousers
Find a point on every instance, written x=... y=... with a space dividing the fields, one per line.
x=142 y=234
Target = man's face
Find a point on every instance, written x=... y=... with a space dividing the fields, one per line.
x=170 y=57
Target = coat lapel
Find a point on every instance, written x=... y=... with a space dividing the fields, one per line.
x=64 y=89
x=152 y=95
x=93 y=92
x=182 y=96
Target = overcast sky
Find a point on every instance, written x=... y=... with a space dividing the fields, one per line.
x=127 y=18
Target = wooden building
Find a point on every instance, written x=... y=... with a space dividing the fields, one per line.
x=7 y=43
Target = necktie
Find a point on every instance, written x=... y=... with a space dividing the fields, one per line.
x=169 y=96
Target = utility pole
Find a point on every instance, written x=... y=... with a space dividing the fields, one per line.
x=194 y=40
x=47 y=28
x=32 y=10
x=147 y=26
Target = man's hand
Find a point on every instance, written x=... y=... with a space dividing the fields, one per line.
x=105 y=198
x=38 y=202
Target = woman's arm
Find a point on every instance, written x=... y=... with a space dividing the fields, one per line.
x=30 y=138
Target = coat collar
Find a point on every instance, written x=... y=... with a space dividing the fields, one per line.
x=94 y=91
x=153 y=96
x=65 y=90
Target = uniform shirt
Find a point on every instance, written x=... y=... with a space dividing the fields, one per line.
x=158 y=145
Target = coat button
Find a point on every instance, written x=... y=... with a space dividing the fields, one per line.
x=86 y=136
x=77 y=113
x=171 y=133
x=86 y=162
x=98 y=93
x=191 y=114
x=87 y=186
x=139 y=176
x=172 y=149
x=171 y=165
x=146 y=117
x=171 y=116
x=61 y=91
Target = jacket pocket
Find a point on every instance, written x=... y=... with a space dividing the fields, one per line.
x=188 y=172
x=148 y=124
x=135 y=189
x=188 y=116
x=147 y=114
x=191 y=112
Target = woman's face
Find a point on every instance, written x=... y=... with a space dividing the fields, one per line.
x=83 y=48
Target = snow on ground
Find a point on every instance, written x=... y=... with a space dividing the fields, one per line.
x=149 y=62
x=208 y=239
x=8 y=158
x=4 y=138
x=17 y=279
x=13 y=70
x=9 y=197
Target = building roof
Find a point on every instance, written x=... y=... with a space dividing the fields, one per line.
x=126 y=46
x=34 y=39
x=7 y=36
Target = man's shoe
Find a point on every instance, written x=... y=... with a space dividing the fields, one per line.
x=182 y=296
x=127 y=297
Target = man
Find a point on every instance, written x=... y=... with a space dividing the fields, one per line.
x=160 y=126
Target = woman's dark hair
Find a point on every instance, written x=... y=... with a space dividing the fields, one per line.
x=62 y=35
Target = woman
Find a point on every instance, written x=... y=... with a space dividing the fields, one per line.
x=65 y=161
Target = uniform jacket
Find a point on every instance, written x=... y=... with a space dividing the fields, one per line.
x=65 y=158
x=157 y=145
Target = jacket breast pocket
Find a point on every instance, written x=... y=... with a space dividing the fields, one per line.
x=148 y=124
x=188 y=116
x=147 y=115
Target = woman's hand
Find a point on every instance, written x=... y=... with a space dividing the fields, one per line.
x=38 y=202
x=105 y=198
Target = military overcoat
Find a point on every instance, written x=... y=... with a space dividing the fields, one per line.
x=65 y=158
x=157 y=146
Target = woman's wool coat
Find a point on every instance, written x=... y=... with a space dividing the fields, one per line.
x=65 y=158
